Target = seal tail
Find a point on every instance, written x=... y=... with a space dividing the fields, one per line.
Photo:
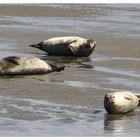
x=38 y=45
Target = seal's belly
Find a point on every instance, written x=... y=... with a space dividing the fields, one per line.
x=58 y=49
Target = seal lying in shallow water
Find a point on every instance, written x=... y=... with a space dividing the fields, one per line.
x=19 y=65
x=67 y=46
x=121 y=102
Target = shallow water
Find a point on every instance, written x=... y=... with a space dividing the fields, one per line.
x=70 y=103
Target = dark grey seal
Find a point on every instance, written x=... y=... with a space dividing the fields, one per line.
x=67 y=46
x=20 y=65
x=121 y=102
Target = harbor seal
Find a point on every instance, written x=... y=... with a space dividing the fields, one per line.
x=20 y=65
x=67 y=46
x=121 y=102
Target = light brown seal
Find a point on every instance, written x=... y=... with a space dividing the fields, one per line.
x=67 y=46
x=20 y=65
x=121 y=102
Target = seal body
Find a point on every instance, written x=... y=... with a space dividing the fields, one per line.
x=20 y=65
x=120 y=102
x=67 y=46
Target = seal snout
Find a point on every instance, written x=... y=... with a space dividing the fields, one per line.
x=94 y=44
x=109 y=99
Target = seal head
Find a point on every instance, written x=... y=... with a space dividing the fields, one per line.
x=86 y=49
x=120 y=102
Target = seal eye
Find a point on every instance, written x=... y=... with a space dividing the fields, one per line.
x=90 y=41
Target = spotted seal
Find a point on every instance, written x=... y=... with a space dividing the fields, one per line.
x=121 y=102
x=67 y=46
x=20 y=65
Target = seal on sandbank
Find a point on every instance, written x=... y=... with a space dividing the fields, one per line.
x=121 y=102
x=67 y=46
x=20 y=65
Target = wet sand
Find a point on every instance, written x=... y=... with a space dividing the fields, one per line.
x=70 y=103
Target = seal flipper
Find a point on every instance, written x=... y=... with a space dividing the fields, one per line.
x=70 y=47
x=12 y=59
x=138 y=96
x=57 y=69
x=38 y=45
x=70 y=42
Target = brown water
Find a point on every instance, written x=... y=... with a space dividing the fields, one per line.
x=70 y=103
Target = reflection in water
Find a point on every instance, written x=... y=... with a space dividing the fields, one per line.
x=65 y=59
x=86 y=66
x=114 y=123
x=120 y=124
x=80 y=62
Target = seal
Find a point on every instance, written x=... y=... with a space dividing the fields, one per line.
x=67 y=46
x=20 y=65
x=121 y=102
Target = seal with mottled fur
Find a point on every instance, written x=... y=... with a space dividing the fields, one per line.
x=67 y=46
x=121 y=102
x=20 y=65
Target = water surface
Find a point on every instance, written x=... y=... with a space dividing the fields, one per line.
x=70 y=103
